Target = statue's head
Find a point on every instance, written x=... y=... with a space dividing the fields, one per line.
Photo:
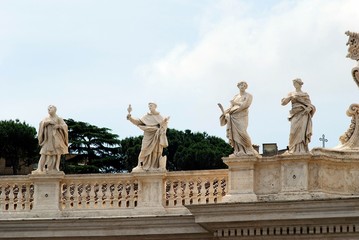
x=152 y=107
x=242 y=83
x=153 y=104
x=299 y=81
x=51 y=109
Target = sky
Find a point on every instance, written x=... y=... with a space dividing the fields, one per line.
x=92 y=58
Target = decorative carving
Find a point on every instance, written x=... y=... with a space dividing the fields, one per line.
x=353 y=53
x=353 y=42
x=350 y=139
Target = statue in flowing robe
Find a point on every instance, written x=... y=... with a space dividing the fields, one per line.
x=236 y=120
x=154 y=140
x=300 y=117
x=53 y=140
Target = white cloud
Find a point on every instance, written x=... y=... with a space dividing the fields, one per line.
x=296 y=39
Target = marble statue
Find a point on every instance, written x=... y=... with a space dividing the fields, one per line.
x=154 y=140
x=53 y=140
x=300 y=117
x=236 y=120
x=350 y=139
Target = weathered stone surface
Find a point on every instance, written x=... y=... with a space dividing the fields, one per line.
x=235 y=118
x=154 y=128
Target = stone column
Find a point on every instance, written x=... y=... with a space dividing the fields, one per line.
x=151 y=190
x=47 y=192
x=240 y=179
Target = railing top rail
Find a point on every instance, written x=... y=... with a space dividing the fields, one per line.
x=14 y=178
x=199 y=173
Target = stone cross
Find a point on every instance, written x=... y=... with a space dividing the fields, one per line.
x=323 y=140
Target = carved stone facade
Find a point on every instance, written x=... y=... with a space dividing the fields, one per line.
x=279 y=197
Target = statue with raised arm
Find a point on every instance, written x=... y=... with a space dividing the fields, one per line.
x=53 y=140
x=154 y=128
x=300 y=117
x=236 y=120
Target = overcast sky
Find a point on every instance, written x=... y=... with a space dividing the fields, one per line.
x=91 y=58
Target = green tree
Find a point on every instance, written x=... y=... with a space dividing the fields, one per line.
x=186 y=151
x=18 y=142
x=93 y=149
x=131 y=148
x=196 y=151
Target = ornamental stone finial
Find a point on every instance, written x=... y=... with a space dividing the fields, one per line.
x=353 y=53
x=353 y=42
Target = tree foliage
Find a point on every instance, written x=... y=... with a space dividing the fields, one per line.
x=18 y=142
x=196 y=151
x=186 y=151
x=94 y=149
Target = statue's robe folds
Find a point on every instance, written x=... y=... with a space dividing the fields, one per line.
x=236 y=120
x=153 y=142
x=301 y=123
x=53 y=138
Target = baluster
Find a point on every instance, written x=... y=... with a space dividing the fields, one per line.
x=123 y=195
x=210 y=191
x=171 y=195
x=92 y=195
x=194 y=192
x=31 y=195
x=2 y=200
x=186 y=192
x=86 y=195
x=130 y=196
x=15 y=190
x=73 y=199
x=11 y=198
x=223 y=188
x=21 y=197
x=75 y=196
x=107 y=195
x=67 y=196
x=83 y=194
x=115 y=194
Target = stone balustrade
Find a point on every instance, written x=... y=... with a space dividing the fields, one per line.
x=254 y=191
x=186 y=188
x=248 y=179
x=73 y=195
x=16 y=194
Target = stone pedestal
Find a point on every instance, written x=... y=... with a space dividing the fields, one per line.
x=240 y=179
x=47 y=192
x=150 y=191
x=295 y=177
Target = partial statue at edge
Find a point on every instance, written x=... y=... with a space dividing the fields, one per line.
x=300 y=117
x=53 y=140
x=236 y=120
x=350 y=139
x=154 y=128
x=353 y=53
